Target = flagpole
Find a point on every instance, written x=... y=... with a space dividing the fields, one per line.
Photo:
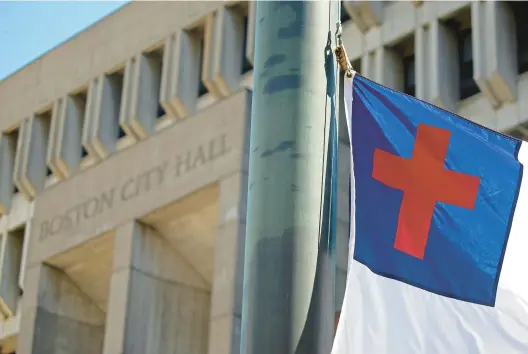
x=284 y=307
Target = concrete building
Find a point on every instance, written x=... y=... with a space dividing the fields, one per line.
x=123 y=161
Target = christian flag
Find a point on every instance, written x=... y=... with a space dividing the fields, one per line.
x=439 y=231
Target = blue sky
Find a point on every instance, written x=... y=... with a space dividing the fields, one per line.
x=30 y=29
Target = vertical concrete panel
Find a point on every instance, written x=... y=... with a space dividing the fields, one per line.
x=226 y=297
x=180 y=88
x=12 y=247
x=91 y=118
x=64 y=155
x=423 y=65
x=250 y=46
x=443 y=56
x=104 y=104
x=57 y=317
x=229 y=60
x=502 y=50
x=32 y=167
x=390 y=68
x=58 y=116
x=158 y=303
x=213 y=52
x=7 y=155
x=22 y=151
x=141 y=95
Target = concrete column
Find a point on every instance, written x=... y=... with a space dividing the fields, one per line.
x=226 y=302
x=158 y=303
x=494 y=51
x=443 y=57
x=57 y=317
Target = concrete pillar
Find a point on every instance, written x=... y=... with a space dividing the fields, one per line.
x=57 y=317
x=158 y=303
x=226 y=302
x=494 y=51
x=443 y=58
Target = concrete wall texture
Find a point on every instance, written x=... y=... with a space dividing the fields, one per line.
x=124 y=154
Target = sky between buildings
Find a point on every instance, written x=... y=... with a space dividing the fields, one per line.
x=30 y=29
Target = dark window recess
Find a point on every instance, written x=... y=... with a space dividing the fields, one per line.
x=84 y=153
x=48 y=171
x=409 y=83
x=15 y=189
x=344 y=14
x=520 y=9
x=356 y=65
x=468 y=87
x=160 y=112
x=246 y=64
x=202 y=89
x=121 y=132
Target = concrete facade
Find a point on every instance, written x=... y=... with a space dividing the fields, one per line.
x=123 y=162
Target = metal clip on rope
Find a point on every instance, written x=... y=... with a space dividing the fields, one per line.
x=341 y=55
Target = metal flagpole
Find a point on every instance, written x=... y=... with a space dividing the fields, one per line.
x=284 y=307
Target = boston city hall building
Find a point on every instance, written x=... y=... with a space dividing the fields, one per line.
x=124 y=161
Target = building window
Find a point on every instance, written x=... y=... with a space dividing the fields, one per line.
x=116 y=80
x=400 y=60
x=202 y=89
x=246 y=64
x=468 y=87
x=460 y=26
x=356 y=65
x=519 y=10
x=345 y=16
x=409 y=83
